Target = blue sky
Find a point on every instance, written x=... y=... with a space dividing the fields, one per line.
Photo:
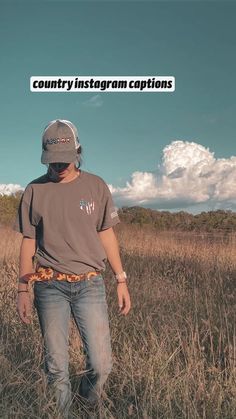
x=129 y=139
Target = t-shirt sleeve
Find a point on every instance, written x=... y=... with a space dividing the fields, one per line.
x=23 y=221
x=108 y=216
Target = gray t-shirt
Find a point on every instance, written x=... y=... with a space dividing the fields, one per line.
x=65 y=219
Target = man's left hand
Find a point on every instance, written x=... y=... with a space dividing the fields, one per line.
x=123 y=298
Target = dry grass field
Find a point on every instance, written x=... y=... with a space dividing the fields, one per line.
x=174 y=355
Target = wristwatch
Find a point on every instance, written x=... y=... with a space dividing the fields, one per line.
x=121 y=275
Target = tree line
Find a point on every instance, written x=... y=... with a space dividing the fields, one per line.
x=219 y=220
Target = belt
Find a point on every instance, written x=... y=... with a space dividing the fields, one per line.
x=44 y=273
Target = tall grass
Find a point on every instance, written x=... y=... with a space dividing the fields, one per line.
x=174 y=355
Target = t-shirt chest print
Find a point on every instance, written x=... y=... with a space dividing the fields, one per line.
x=87 y=206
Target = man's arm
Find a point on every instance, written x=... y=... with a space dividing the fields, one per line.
x=27 y=251
x=110 y=245
x=111 y=248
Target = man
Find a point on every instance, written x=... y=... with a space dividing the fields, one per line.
x=66 y=217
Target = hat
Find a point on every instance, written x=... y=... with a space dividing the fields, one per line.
x=60 y=142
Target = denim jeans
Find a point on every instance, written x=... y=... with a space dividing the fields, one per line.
x=55 y=301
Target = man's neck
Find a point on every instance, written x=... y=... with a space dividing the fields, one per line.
x=70 y=177
x=53 y=177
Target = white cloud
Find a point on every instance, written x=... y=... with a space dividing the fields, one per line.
x=10 y=188
x=189 y=176
x=94 y=102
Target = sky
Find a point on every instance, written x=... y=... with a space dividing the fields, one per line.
x=166 y=150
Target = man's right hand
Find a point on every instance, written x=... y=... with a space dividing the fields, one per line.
x=24 y=306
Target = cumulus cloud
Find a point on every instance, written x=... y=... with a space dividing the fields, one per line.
x=10 y=188
x=94 y=102
x=189 y=176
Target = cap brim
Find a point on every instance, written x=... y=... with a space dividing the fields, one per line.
x=58 y=157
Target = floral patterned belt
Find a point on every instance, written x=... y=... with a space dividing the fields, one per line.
x=45 y=273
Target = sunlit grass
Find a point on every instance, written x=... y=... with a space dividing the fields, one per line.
x=174 y=355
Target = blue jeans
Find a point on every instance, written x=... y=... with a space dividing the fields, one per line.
x=55 y=301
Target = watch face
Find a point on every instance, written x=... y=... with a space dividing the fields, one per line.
x=121 y=275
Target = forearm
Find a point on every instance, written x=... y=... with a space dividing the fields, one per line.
x=27 y=251
x=111 y=248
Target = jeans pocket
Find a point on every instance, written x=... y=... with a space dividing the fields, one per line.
x=97 y=280
x=43 y=284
